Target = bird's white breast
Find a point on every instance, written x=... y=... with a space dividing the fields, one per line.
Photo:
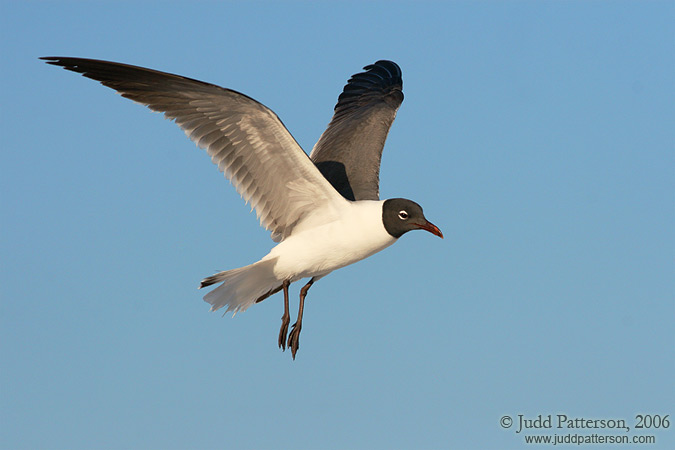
x=356 y=233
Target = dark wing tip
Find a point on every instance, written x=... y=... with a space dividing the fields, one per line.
x=93 y=68
x=96 y=69
x=390 y=67
x=69 y=63
x=60 y=61
x=131 y=81
x=381 y=81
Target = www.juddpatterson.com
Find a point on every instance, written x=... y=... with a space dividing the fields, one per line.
x=520 y=423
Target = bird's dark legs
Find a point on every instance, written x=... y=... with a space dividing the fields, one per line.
x=294 y=337
x=285 y=319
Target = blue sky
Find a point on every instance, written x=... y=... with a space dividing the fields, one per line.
x=538 y=136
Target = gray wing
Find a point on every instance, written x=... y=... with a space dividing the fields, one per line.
x=348 y=153
x=244 y=138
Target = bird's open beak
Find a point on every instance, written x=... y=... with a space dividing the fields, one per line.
x=431 y=228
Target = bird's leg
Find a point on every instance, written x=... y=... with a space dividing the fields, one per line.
x=294 y=337
x=285 y=319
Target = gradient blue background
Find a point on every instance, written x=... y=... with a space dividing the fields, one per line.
x=538 y=136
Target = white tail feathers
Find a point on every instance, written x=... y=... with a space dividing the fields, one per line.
x=242 y=286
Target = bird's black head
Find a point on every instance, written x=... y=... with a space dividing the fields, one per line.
x=400 y=215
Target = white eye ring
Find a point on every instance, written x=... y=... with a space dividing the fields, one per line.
x=403 y=215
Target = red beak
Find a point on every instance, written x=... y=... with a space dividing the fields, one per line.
x=431 y=228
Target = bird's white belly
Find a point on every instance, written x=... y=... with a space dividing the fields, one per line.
x=358 y=234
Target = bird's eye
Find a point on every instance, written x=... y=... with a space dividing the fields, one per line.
x=403 y=215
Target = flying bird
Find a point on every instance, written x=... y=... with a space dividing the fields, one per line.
x=323 y=210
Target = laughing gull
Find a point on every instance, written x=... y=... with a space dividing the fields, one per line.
x=323 y=210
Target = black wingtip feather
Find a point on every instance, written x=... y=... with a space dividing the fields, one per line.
x=380 y=81
x=123 y=77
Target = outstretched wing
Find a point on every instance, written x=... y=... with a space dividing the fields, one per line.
x=348 y=153
x=244 y=138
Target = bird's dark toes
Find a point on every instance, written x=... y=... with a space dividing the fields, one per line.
x=283 y=332
x=294 y=339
